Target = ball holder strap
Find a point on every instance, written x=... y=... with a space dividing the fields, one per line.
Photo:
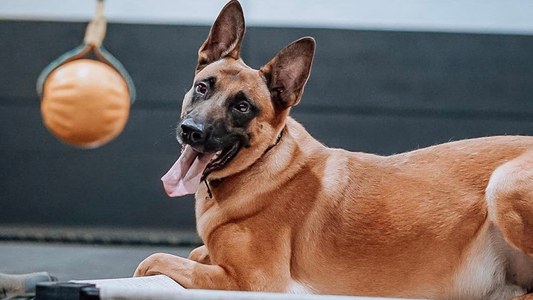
x=93 y=41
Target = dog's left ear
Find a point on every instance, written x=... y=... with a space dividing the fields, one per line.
x=225 y=37
x=287 y=73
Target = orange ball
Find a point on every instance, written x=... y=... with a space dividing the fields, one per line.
x=85 y=103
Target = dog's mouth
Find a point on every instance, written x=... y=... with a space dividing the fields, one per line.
x=222 y=158
x=193 y=166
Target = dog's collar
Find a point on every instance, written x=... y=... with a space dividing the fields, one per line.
x=276 y=143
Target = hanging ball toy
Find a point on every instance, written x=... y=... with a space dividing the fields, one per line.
x=86 y=102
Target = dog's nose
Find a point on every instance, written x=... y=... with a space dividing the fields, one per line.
x=191 y=132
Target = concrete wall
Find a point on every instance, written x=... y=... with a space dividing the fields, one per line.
x=474 y=16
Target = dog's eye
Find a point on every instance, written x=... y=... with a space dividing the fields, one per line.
x=243 y=106
x=201 y=88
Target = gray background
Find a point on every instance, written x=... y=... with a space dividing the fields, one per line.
x=374 y=91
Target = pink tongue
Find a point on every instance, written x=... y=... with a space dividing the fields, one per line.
x=184 y=176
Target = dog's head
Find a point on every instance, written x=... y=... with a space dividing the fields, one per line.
x=232 y=114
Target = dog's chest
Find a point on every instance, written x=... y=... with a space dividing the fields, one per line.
x=211 y=212
x=208 y=215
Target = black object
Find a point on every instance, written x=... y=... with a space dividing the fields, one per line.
x=67 y=291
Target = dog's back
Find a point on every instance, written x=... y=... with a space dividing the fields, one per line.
x=411 y=225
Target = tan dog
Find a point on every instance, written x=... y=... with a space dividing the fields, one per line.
x=280 y=212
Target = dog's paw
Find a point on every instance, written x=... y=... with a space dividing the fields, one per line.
x=152 y=265
x=200 y=255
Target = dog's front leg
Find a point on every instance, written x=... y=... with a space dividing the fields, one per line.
x=188 y=273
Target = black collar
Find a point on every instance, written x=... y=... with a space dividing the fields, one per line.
x=276 y=143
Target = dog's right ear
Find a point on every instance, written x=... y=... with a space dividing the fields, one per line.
x=225 y=37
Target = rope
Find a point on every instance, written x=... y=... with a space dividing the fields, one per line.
x=95 y=34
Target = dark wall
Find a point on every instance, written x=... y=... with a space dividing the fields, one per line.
x=375 y=91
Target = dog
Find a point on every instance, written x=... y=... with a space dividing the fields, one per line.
x=280 y=212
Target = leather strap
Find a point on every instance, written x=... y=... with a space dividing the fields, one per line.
x=93 y=41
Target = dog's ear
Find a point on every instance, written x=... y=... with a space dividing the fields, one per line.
x=287 y=73
x=225 y=37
